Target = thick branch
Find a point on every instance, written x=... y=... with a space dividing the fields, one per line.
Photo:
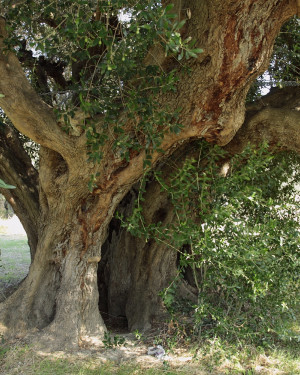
x=275 y=118
x=29 y=114
x=212 y=96
x=16 y=169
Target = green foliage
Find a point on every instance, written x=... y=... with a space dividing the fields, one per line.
x=3 y=348
x=112 y=342
x=238 y=236
x=99 y=50
x=284 y=67
x=3 y=185
x=138 y=335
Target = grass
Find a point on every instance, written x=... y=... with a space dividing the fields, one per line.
x=15 y=258
x=209 y=357
x=215 y=356
x=248 y=359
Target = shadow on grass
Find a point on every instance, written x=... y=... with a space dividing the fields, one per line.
x=207 y=357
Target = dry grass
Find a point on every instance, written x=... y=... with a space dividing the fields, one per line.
x=208 y=357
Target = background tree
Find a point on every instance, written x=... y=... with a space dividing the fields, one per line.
x=106 y=99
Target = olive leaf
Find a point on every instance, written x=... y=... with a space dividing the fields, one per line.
x=3 y=185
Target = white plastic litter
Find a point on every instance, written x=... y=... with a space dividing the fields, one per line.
x=157 y=351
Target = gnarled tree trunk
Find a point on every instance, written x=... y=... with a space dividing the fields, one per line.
x=62 y=281
x=60 y=294
x=133 y=272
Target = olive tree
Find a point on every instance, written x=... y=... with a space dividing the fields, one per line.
x=109 y=89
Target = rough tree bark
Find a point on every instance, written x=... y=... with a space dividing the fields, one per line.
x=274 y=118
x=60 y=294
x=15 y=166
x=132 y=271
x=129 y=286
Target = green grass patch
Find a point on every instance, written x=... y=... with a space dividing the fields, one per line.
x=15 y=258
x=209 y=357
x=62 y=367
x=221 y=357
x=25 y=361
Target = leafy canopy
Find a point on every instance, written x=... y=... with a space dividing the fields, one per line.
x=284 y=69
x=88 y=56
